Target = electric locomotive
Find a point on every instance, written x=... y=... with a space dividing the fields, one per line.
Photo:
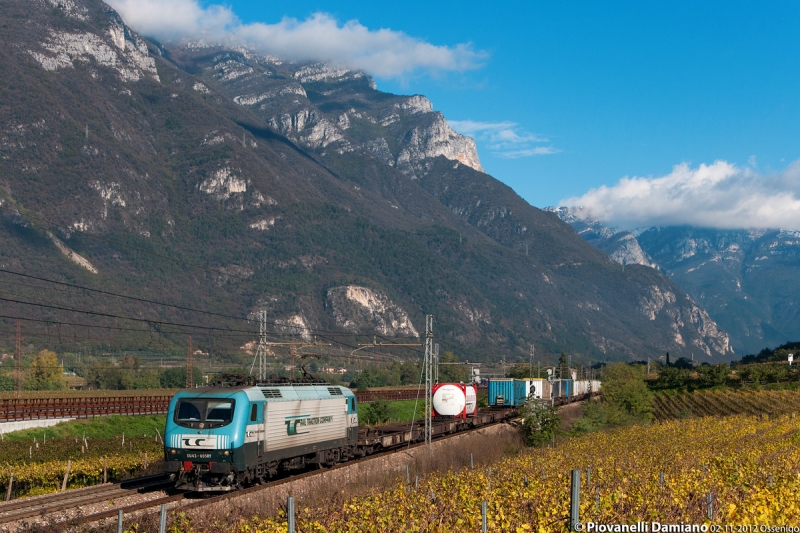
x=237 y=433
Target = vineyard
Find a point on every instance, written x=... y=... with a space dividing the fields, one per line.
x=749 y=466
x=38 y=458
x=672 y=404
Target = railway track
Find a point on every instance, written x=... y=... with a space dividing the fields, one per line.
x=52 y=503
x=289 y=479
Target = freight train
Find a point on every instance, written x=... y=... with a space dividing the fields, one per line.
x=508 y=392
x=237 y=432
x=223 y=437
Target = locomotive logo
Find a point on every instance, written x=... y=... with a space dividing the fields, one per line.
x=292 y=423
x=199 y=442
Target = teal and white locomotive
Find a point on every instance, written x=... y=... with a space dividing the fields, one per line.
x=223 y=437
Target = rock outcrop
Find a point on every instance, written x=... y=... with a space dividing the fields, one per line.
x=362 y=309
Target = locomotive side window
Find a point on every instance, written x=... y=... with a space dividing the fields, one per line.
x=254 y=413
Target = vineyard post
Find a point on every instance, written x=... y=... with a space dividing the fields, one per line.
x=710 y=501
x=290 y=514
x=66 y=476
x=661 y=480
x=105 y=470
x=408 y=476
x=119 y=521
x=471 y=463
x=484 y=529
x=575 y=500
x=162 y=525
x=10 y=484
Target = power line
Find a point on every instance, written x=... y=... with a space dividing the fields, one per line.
x=142 y=250
x=154 y=302
x=169 y=258
x=108 y=293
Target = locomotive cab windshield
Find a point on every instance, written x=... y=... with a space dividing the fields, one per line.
x=204 y=413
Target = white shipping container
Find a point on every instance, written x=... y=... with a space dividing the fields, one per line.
x=537 y=389
x=302 y=422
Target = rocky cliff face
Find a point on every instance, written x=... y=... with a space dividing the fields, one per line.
x=220 y=180
x=362 y=309
x=743 y=278
x=324 y=107
x=621 y=246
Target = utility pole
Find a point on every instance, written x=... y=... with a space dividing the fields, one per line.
x=293 y=352
x=533 y=351
x=428 y=378
x=261 y=352
x=18 y=363
x=436 y=365
x=189 y=374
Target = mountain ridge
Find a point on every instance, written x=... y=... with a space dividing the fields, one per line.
x=744 y=278
x=299 y=189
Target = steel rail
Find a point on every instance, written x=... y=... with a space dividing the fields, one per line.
x=271 y=484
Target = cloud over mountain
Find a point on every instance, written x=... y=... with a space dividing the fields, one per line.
x=720 y=195
x=505 y=139
x=383 y=53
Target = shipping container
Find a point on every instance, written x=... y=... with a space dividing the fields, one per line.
x=501 y=392
x=547 y=389
x=454 y=399
x=581 y=387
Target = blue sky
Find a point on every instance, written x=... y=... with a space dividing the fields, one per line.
x=567 y=97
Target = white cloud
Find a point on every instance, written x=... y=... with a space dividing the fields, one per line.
x=505 y=139
x=720 y=195
x=528 y=152
x=383 y=53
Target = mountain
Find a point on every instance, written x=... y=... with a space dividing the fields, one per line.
x=621 y=246
x=745 y=279
x=214 y=178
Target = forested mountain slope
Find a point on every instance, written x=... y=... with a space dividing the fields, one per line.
x=218 y=179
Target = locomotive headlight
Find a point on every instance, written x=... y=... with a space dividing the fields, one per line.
x=173 y=451
x=226 y=452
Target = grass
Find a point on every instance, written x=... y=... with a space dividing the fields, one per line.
x=403 y=411
x=101 y=427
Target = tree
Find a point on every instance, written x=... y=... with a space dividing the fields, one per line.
x=624 y=389
x=376 y=412
x=540 y=421
x=6 y=383
x=175 y=378
x=45 y=372
x=452 y=373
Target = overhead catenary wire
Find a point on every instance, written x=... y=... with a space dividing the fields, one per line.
x=164 y=304
x=160 y=322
